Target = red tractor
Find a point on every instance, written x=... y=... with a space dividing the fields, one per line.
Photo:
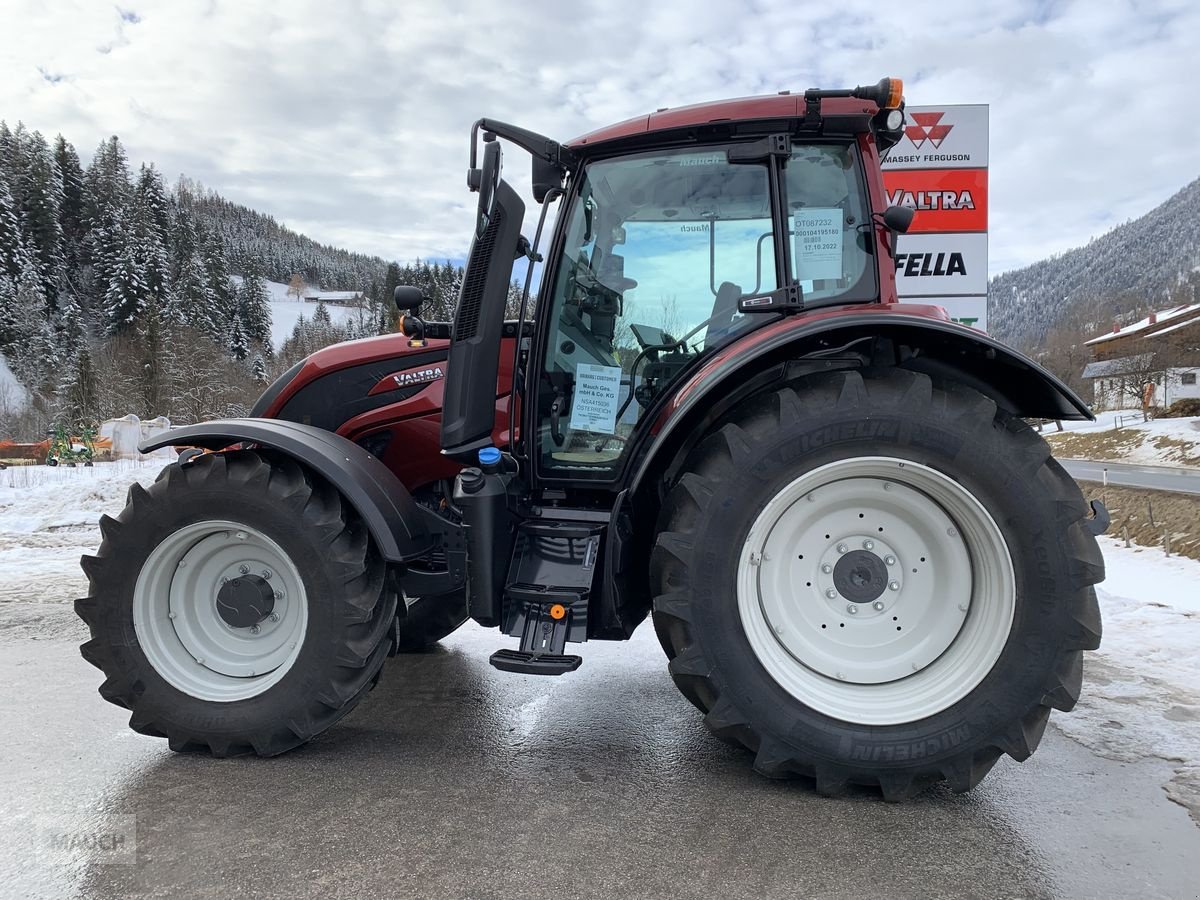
x=862 y=564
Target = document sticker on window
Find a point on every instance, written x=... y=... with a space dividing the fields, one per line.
x=595 y=404
x=818 y=243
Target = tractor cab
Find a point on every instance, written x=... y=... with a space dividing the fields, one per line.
x=677 y=236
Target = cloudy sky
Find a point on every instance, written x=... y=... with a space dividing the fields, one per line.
x=349 y=120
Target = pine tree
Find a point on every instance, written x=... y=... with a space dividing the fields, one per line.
x=79 y=390
x=321 y=314
x=41 y=192
x=254 y=309
x=150 y=228
x=106 y=182
x=70 y=327
x=71 y=209
x=10 y=314
x=258 y=368
x=152 y=193
x=237 y=344
x=13 y=253
x=155 y=380
x=185 y=241
x=217 y=266
x=126 y=295
x=192 y=300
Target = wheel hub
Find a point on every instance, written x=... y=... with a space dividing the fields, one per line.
x=246 y=600
x=860 y=576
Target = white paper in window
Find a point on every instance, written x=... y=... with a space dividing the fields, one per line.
x=596 y=400
x=818 y=243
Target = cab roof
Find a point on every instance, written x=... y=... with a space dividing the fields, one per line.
x=744 y=109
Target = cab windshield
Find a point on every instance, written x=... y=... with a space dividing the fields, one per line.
x=660 y=247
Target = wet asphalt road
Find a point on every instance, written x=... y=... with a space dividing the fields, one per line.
x=1162 y=478
x=454 y=780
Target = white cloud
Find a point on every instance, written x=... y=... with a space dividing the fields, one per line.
x=349 y=121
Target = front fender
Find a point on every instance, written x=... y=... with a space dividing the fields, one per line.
x=386 y=507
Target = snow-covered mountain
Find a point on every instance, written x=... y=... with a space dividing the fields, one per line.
x=1148 y=263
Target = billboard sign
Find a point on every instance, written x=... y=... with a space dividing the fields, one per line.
x=939 y=170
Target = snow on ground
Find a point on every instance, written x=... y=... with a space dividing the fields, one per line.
x=1141 y=694
x=286 y=311
x=13 y=395
x=1159 y=442
x=49 y=518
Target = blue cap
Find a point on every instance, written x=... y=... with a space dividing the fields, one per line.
x=489 y=456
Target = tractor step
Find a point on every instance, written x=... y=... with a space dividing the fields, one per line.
x=525 y=663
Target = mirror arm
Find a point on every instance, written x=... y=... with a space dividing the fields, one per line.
x=538 y=145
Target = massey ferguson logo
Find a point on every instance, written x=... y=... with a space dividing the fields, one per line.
x=418 y=376
x=927 y=129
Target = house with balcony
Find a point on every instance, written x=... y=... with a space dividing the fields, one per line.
x=1163 y=348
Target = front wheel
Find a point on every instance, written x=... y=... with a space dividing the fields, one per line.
x=237 y=606
x=872 y=578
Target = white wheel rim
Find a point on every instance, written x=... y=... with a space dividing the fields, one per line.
x=181 y=631
x=843 y=642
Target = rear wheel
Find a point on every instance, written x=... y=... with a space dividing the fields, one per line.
x=236 y=606
x=875 y=579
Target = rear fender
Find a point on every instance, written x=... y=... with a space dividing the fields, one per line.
x=393 y=519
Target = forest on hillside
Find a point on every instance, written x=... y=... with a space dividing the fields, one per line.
x=117 y=292
x=1052 y=307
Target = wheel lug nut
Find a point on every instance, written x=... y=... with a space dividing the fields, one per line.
x=852 y=609
x=254 y=629
x=868 y=545
x=894 y=586
x=826 y=568
x=831 y=593
x=890 y=560
x=224 y=580
x=275 y=616
x=267 y=574
x=842 y=548
x=279 y=595
x=877 y=606
x=244 y=569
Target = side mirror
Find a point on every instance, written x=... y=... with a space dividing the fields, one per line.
x=898 y=218
x=489 y=177
x=407 y=297
x=546 y=177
